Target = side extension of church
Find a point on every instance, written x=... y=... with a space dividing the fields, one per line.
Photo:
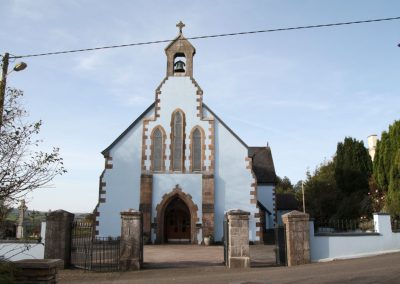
x=183 y=167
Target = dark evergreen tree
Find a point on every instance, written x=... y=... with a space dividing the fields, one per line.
x=353 y=168
x=387 y=167
x=284 y=185
x=339 y=189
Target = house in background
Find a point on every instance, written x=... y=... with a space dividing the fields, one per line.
x=285 y=203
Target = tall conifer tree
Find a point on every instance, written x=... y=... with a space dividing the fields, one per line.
x=387 y=167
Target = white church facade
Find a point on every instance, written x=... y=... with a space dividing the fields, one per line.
x=183 y=167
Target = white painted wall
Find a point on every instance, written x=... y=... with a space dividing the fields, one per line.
x=326 y=248
x=232 y=180
x=14 y=251
x=122 y=181
x=265 y=195
x=178 y=92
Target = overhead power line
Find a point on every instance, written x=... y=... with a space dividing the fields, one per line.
x=207 y=36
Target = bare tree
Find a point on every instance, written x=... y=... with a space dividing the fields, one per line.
x=23 y=167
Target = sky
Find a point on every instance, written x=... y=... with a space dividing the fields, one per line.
x=301 y=92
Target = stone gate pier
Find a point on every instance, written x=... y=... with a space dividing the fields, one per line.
x=131 y=246
x=238 y=250
x=297 y=237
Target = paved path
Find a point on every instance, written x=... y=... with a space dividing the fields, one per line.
x=377 y=269
x=180 y=256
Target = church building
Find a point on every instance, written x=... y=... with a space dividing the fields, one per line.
x=183 y=167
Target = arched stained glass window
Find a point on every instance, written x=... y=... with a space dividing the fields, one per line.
x=177 y=149
x=196 y=150
x=157 y=150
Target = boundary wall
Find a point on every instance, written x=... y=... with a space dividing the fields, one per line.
x=327 y=247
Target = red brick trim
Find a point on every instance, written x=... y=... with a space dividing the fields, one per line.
x=145 y=204
x=253 y=193
x=108 y=162
x=102 y=190
x=144 y=146
x=199 y=98
x=146 y=121
x=158 y=99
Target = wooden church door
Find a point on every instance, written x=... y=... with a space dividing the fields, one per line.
x=177 y=222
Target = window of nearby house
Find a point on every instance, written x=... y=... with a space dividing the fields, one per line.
x=177 y=142
x=196 y=150
x=157 y=150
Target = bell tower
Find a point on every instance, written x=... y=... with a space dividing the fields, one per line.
x=180 y=54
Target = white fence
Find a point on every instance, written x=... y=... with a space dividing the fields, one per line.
x=17 y=250
x=330 y=247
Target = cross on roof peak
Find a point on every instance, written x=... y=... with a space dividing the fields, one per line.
x=180 y=25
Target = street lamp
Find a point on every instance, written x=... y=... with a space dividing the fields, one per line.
x=18 y=67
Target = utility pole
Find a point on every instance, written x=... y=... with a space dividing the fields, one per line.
x=3 y=83
x=304 y=202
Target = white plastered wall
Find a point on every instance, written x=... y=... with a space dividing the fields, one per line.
x=265 y=195
x=327 y=248
x=232 y=180
x=122 y=181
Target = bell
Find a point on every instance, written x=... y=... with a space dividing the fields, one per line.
x=179 y=66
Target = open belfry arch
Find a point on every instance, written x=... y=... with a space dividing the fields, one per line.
x=182 y=166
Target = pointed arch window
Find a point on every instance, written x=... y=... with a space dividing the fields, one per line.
x=177 y=141
x=196 y=150
x=157 y=155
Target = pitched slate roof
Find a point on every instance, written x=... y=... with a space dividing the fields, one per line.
x=285 y=201
x=263 y=164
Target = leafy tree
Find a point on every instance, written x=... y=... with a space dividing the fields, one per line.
x=5 y=209
x=23 y=167
x=376 y=195
x=387 y=167
x=321 y=192
x=284 y=185
x=339 y=189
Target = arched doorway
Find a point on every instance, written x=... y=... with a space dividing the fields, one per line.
x=188 y=206
x=177 y=222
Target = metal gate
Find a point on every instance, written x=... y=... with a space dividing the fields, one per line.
x=91 y=252
x=280 y=244
x=226 y=241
